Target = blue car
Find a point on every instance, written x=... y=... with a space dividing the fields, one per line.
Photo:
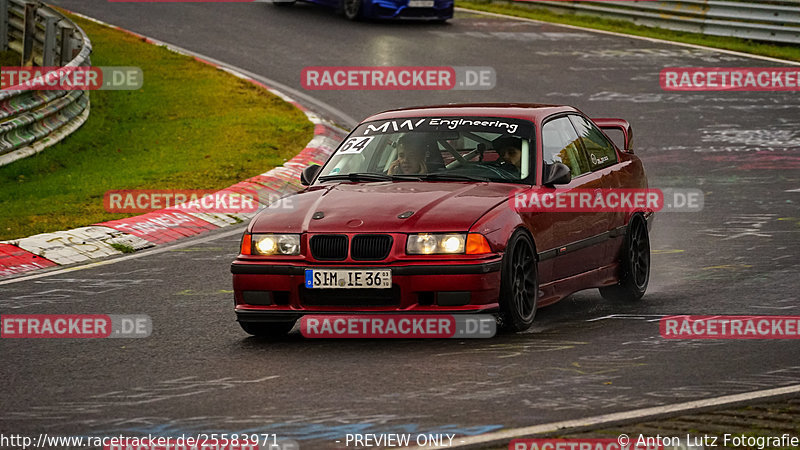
x=438 y=10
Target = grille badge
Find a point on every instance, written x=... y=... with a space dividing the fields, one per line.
x=405 y=215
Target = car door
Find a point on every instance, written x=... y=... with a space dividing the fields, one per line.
x=575 y=238
x=603 y=161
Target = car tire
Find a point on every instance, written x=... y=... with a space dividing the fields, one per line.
x=635 y=264
x=351 y=9
x=283 y=4
x=519 y=284
x=267 y=329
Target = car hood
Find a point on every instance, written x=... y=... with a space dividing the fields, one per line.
x=375 y=207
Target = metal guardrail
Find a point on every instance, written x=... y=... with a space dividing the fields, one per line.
x=31 y=120
x=777 y=21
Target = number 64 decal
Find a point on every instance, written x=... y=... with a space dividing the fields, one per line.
x=355 y=144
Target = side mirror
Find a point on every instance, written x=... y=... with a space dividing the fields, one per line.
x=557 y=173
x=308 y=174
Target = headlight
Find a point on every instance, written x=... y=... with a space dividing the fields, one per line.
x=433 y=244
x=276 y=244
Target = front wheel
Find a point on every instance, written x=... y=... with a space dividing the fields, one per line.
x=519 y=284
x=635 y=274
x=267 y=329
x=351 y=9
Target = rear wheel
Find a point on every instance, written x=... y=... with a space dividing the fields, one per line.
x=519 y=284
x=351 y=9
x=267 y=329
x=635 y=274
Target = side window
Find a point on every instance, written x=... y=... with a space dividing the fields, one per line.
x=560 y=144
x=599 y=149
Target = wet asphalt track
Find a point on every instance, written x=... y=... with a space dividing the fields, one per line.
x=199 y=372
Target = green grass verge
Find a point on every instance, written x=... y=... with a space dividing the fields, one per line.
x=190 y=126
x=122 y=248
x=531 y=11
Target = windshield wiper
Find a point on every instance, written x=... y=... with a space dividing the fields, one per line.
x=357 y=176
x=454 y=177
x=407 y=177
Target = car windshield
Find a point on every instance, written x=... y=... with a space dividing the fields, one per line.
x=435 y=148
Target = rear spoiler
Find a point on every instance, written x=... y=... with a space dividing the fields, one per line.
x=619 y=125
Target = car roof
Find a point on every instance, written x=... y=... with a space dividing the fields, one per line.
x=528 y=111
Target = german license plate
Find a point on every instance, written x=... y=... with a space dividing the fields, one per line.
x=348 y=279
x=420 y=3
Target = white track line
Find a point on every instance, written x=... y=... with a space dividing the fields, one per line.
x=633 y=36
x=502 y=437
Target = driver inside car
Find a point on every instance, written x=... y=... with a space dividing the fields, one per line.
x=510 y=152
x=410 y=157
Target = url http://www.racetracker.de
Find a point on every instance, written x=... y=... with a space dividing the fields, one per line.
x=198 y=441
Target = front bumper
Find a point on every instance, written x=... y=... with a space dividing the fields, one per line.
x=390 y=9
x=276 y=292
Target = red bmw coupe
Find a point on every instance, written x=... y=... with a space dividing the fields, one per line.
x=415 y=213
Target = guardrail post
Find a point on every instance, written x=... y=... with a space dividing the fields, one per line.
x=67 y=52
x=28 y=34
x=3 y=25
x=49 y=45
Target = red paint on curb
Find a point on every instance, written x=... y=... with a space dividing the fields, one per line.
x=161 y=226
x=14 y=260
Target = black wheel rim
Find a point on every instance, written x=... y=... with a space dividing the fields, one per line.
x=351 y=8
x=523 y=283
x=639 y=254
